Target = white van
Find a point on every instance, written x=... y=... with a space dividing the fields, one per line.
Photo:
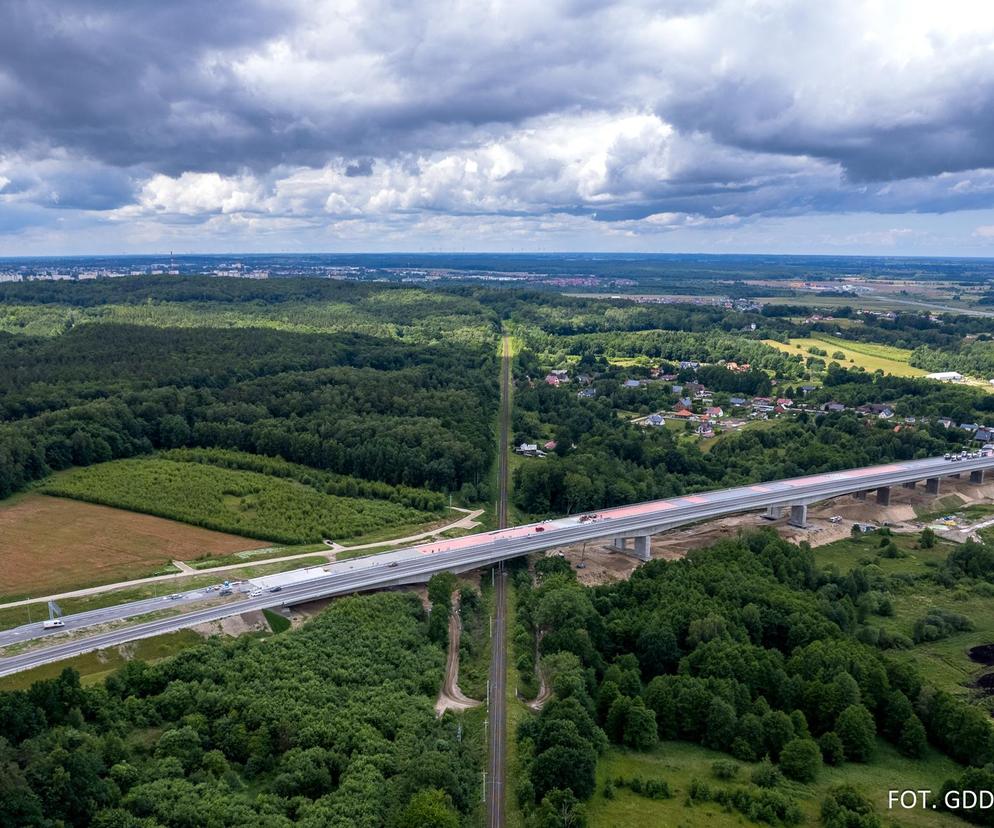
x=53 y=624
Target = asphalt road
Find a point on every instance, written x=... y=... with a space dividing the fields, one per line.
x=488 y=548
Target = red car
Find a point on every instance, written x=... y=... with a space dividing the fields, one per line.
x=539 y=528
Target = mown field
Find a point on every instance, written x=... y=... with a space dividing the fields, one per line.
x=869 y=356
x=679 y=762
x=229 y=500
x=53 y=545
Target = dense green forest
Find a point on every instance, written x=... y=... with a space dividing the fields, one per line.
x=746 y=648
x=329 y=725
x=410 y=414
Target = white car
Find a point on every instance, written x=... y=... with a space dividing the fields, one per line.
x=255 y=593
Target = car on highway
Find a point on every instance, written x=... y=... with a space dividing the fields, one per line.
x=255 y=593
x=539 y=528
x=276 y=589
x=52 y=624
x=392 y=564
x=175 y=596
x=948 y=456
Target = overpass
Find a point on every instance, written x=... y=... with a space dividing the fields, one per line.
x=628 y=527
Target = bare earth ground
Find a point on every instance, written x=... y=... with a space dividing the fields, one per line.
x=51 y=544
x=450 y=697
x=604 y=565
x=234 y=625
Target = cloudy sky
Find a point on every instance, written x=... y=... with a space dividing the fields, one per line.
x=863 y=126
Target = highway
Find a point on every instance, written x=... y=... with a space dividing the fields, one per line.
x=417 y=563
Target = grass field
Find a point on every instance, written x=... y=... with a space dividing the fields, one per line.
x=945 y=663
x=243 y=502
x=865 y=355
x=678 y=763
x=96 y=666
x=53 y=545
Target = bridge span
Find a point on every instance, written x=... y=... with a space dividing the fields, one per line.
x=624 y=525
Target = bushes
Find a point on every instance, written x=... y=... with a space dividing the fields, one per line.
x=649 y=788
x=857 y=731
x=800 y=760
x=242 y=502
x=939 y=623
x=761 y=805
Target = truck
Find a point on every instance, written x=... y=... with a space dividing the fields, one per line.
x=53 y=623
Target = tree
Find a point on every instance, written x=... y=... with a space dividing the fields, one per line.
x=926 y=540
x=560 y=809
x=857 y=731
x=777 y=731
x=721 y=725
x=800 y=760
x=913 y=741
x=431 y=808
x=565 y=768
x=845 y=807
x=640 y=727
x=833 y=752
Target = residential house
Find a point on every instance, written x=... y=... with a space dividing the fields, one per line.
x=785 y=402
x=715 y=411
x=705 y=430
x=587 y=394
x=945 y=422
x=550 y=446
x=683 y=414
x=530 y=450
x=584 y=379
x=834 y=407
x=553 y=380
x=633 y=383
x=969 y=427
x=737 y=400
x=689 y=365
x=984 y=434
x=807 y=389
x=655 y=419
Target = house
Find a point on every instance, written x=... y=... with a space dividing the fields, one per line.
x=715 y=411
x=671 y=377
x=910 y=420
x=807 y=389
x=945 y=376
x=633 y=383
x=834 y=407
x=584 y=379
x=885 y=413
x=676 y=389
x=689 y=365
x=685 y=402
x=694 y=388
x=550 y=446
x=969 y=427
x=785 y=402
x=736 y=400
x=761 y=401
x=705 y=430
x=553 y=380
x=655 y=419
x=529 y=450
x=984 y=434
x=587 y=394
x=945 y=422
x=561 y=373
x=683 y=414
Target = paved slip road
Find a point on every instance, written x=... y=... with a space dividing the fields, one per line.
x=417 y=563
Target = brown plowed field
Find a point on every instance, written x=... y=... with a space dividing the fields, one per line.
x=50 y=545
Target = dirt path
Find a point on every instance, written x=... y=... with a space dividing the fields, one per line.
x=544 y=691
x=450 y=697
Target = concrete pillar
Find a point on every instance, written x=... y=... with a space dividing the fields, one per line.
x=883 y=496
x=620 y=544
x=977 y=476
x=774 y=512
x=932 y=485
x=643 y=548
x=859 y=495
x=910 y=484
x=799 y=515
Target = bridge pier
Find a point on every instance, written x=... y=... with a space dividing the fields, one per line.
x=932 y=485
x=640 y=548
x=883 y=496
x=774 y=512
x=910 y=484
x=799 y=515
x=859 y=495
x=977 y=476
